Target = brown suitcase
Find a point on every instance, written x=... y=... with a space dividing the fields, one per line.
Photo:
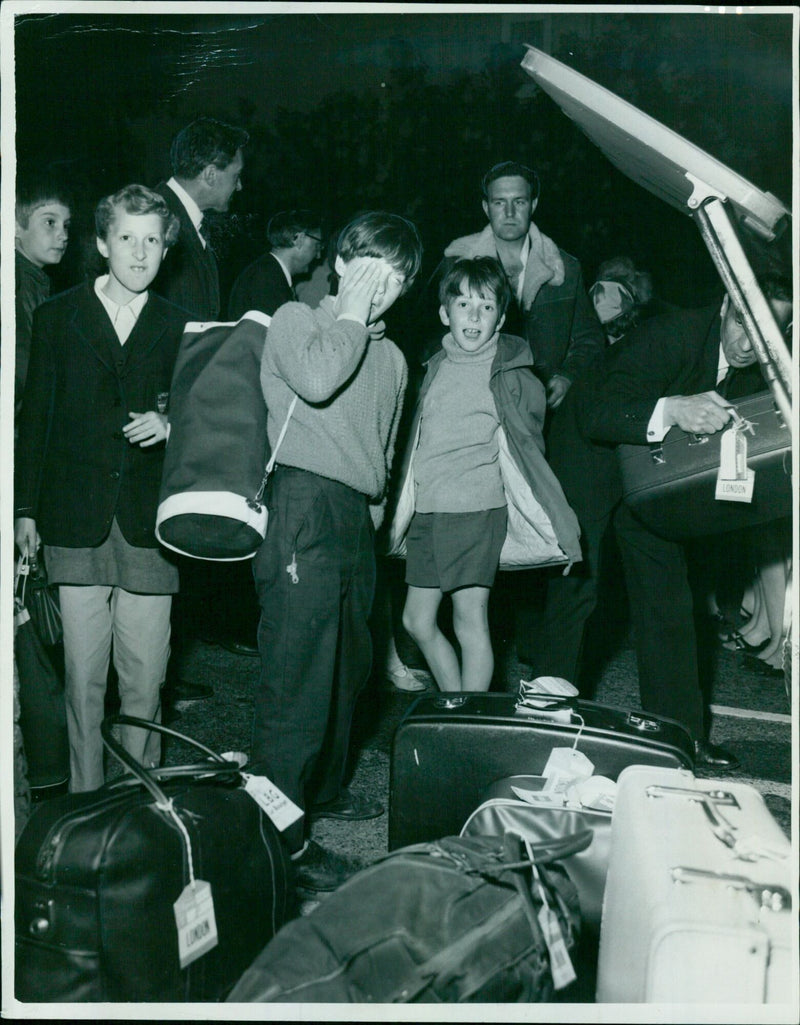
x=671 y=485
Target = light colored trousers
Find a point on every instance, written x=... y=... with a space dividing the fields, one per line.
x=99 y=620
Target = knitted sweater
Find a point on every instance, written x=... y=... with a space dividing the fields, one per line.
x=456 y=465
x=350 y=395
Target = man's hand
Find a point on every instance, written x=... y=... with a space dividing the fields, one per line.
x=26 y=536
x=557 y=388
x=705 y=413
x=146 y=428
x=357 y=289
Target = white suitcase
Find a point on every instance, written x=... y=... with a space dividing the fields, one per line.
x=697 y=905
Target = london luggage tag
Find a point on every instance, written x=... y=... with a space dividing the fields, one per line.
x=561 y=967
x=273 y=802
x=735 y=480
x=197 y=925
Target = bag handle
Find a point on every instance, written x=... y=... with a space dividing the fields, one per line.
x=219 y=766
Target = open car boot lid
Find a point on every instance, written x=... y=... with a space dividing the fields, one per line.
x=727 y=208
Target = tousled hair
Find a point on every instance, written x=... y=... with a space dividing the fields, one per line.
x=481 y=275
x=386 y=236
x=136 y=199
x=205 y=141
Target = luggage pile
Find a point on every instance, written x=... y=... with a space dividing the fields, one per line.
x=603 y=871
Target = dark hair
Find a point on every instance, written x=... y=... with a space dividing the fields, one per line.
x=481 y=275
x=386 y=236
x=136 y=199
x=203 y=142
x=511 y=169
x=283 y=226
x=35 y=189
x=776 y=286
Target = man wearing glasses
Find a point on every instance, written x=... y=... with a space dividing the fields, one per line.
x=296 y=240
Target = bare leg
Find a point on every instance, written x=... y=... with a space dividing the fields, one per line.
x=419 y=618
x=471 y=624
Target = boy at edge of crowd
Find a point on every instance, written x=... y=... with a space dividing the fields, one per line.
x=315 y=572
x=41 y=231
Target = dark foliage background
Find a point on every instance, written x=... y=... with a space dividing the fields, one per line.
x=347 y=112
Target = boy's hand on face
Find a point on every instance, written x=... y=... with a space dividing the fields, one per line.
x=146 y=428
x=357 y=290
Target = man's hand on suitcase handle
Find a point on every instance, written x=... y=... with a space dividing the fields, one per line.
x=705 y=413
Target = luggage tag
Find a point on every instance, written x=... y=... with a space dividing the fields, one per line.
x=567 y=766
x=197 y=925
x=735 y=480
x=537 y=797
x=598 y=793
x=561 y=967
x=272 y=801
x=194 y=908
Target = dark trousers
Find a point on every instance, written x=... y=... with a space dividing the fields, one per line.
x=315 y=578
x=662 y=615
x=556 y=644
x=661 y=610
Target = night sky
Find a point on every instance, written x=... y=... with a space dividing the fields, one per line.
x=100 y=97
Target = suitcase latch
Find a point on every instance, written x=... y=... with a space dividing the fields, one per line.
x=769 y=896
x=450 y=701
x=657 y=453
x=643 y=723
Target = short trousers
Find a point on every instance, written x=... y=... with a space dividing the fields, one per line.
x=452 y=550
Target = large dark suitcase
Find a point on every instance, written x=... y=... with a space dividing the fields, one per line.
x=97 y=874
x=449 y=748
x=452 y=921
x=671 y=485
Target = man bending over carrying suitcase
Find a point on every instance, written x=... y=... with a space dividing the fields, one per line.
x=671 y=371
x=315 y=572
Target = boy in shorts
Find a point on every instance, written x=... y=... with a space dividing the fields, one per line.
x=462 y=477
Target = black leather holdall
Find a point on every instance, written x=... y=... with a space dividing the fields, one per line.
x=671 y=485
x=98 y=875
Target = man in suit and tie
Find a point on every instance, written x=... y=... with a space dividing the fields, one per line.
x=206 y=158
x=296 y=241
x=669 y=371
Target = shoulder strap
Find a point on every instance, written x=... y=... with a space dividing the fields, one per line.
x=271 y=463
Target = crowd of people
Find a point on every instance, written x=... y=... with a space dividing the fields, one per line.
x=509 y=463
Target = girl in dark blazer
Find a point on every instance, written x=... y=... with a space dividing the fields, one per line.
x=88 y=469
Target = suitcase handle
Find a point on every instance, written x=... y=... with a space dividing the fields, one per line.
x=710 y=801
x=217 y=767
x=770 y=896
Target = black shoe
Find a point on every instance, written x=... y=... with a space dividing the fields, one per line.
x=348 y=806
x=758 y=665
x=706 y=753
x=239 y=647
x=182 y=692
x=318 y=870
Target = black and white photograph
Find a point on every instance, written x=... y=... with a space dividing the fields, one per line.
x=297 y=297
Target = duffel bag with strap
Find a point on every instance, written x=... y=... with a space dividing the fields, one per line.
x=672 y=485
x=210 y=504
x=461 y=919
x=162 y=886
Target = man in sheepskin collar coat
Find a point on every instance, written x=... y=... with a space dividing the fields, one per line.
x=553 y=309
